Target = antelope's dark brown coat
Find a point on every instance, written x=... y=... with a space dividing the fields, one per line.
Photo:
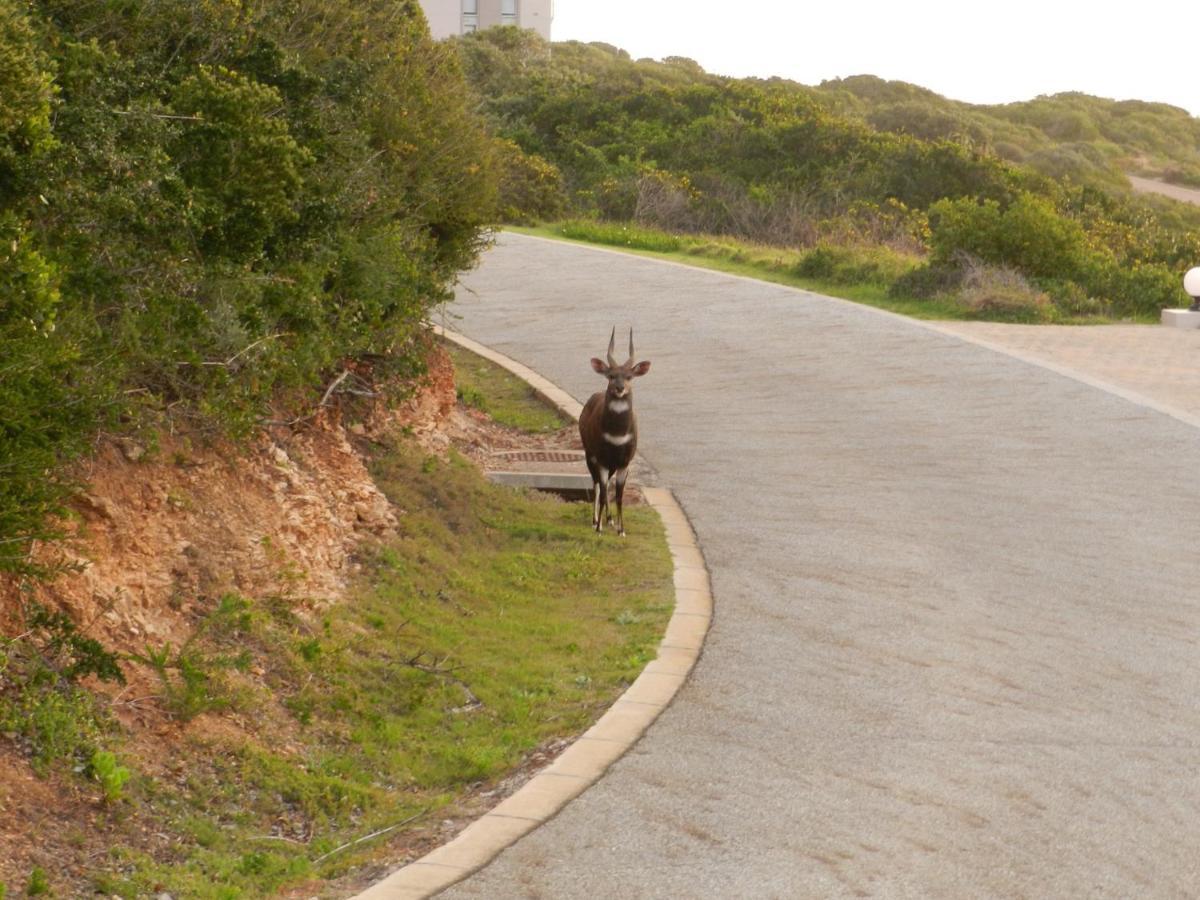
x=608 y=429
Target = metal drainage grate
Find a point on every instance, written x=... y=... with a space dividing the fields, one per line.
x=545 y=456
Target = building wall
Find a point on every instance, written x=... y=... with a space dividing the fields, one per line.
x=536 y=14
x=446 y=16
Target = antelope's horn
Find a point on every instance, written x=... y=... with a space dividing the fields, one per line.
x=612 y=343
x=630 y=362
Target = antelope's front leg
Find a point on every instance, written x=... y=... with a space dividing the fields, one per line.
x=596 y=505
x=600 y=508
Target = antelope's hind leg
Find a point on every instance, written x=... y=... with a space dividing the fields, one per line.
x=620 y=479
x=594 y=471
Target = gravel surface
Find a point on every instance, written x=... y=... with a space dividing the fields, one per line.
x=955 y=647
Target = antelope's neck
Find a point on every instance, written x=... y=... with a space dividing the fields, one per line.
x=618 y=413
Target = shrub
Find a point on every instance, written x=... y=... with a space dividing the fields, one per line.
x=62 y=649
x=854 y=264
x=925 y=282
x=530 y=186
x=28 y=89
x=1002 y=294
x=1186 y=174
x=40 y=698
x=112 y=777
x=1030 y=235
x=58 y=723
x=237 y=159
x=1139 y=289
x=49 y=408
x=39 y=883
x=1073 y=300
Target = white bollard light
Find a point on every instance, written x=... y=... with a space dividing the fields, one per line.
x=1190 y=317
x=1191 y=284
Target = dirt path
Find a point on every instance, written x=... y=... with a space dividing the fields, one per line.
x=1154 y=186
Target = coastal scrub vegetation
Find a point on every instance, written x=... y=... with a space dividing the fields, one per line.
x=947 y=202
x=210 y=209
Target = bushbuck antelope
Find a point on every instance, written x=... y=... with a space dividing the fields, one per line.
x=609 y=432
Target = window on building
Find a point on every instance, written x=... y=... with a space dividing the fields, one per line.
x=508 y=12
x=470 y=7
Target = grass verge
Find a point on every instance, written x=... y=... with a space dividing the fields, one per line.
x=305 y=753
x=494 y=623
x=485 y=386
x=862 y=275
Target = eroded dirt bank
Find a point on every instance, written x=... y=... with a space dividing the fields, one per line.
x=157 y=532
x=155 y=539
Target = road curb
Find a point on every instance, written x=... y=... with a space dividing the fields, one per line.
x=589 y=757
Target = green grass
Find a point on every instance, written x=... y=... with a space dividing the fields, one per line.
x=766 y=263
x=485 y=386
x=773 y=264
x=494 y=621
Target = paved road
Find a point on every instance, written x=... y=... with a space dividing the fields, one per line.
x=955 y=651
x=1160 y=364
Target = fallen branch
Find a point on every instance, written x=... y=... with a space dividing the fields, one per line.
x=219 y=364
x=439 y=670
x=142 y=112
x=277 y=837
x=333 y=387
x=324 y=402
x=373 y=834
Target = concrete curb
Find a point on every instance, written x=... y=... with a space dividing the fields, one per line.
x=588 y=758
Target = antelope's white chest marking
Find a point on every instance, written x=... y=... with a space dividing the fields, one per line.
x=618 y=406
x=618 y=440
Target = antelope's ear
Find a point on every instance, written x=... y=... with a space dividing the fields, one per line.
x=599 y=366
x=641 y=368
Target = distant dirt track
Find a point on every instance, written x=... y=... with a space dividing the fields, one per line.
x=1152 y=186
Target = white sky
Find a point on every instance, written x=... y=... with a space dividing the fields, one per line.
x=980 y=52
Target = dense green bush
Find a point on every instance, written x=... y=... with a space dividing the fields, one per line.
x=1055 y=250
x=1028 y=235
x=209 y=208
x=530 y=188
